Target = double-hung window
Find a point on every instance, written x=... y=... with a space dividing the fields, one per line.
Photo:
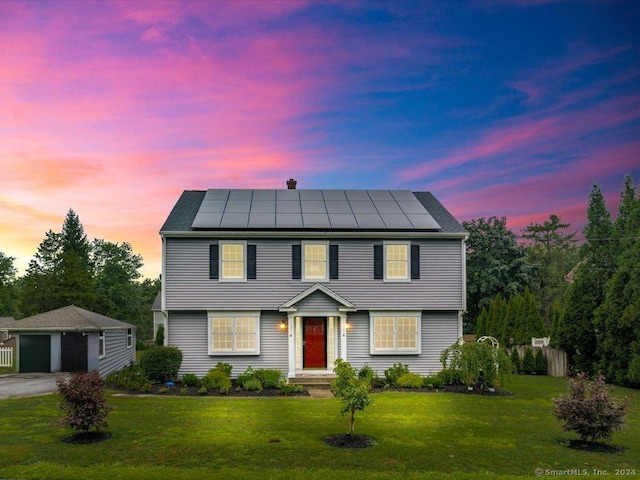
x=129 y=337
x=232 y=261
x=396 y=261
x=395 y=333
x=101 y=345
x=315 y=261
x=234 y=333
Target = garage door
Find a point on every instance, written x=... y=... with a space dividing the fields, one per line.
x=74 y=352
x=35 y=353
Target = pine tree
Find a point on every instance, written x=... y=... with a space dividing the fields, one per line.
x=541 y=362
x=515 y=359
x=528 y=362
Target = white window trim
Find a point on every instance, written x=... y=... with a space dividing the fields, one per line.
x=221 y=261
x=212 y=315
x=101 y=335
x=395 y=314
x=129 y=337
x=325 y=244
x=384 y=262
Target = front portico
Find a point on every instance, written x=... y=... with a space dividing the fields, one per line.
x=317 y=330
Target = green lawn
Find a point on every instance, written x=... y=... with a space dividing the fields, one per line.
x=420 y=435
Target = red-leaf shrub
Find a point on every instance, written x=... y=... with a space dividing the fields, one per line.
x=83 y=401
x=588 y=409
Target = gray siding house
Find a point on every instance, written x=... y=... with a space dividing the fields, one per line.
x=294 y=279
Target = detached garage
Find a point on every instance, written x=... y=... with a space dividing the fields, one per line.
x=71 y=339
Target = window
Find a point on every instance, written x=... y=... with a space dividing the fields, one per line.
x=234 y=333
x=395 y=333
x=396 y=261
x=314 y=260
x=232 y=266
x=101 y=345
x=129 y=337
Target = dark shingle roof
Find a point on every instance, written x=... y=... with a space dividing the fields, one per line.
x=5 y=321
x=69 y=318
x=186 y=208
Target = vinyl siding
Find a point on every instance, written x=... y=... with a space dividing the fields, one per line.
x=317 y=301
x=189 y=288
x=189 y=332
x=117 y=355
x=438 y=331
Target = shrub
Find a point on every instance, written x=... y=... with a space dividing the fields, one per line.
x=529 y=363
x=433 y=381
x=409 y=380
x=203 y=391
x=248 y=374
x=161 y=363
x=449 y=376
x=368 y=373
x=515 y=359
x=392 y=374
x=540 y=362
x=190 y=380
x=252 y=384
x=225 y=367
x=160 y=336
x=83 y=401
x=588 y=409
x=270 y=378
x=288 y=388
x=216 y=379
x=477 y=363
x=130 y=378
x=353 y=391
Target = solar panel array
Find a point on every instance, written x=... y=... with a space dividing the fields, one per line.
x=313 y=209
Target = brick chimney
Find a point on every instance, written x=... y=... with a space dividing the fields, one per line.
x=291 y=184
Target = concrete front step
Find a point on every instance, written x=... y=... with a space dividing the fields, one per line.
x=314 y=381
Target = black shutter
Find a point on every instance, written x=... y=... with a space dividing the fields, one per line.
x=378 y=262
x=296 y=262
x=415 y=262
x=333 y=261
x=251 y=262
x=213 y=261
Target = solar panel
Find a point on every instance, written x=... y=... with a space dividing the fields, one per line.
x=313 y=209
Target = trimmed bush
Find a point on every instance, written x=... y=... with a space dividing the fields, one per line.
x=368 y=373
x=248 y=374
x=540 y=362
x=161 y=363
x=225 y=367
x=529 y=363
x=588 y=409
x=217 y=378
x=252 y=384
x=392 y=374
x=289 y=388
x=449 y=376
x=83 y=401
x=270 y=378
x=190 y=380
x=515 y=359
x=409 y=380
x=433 y=381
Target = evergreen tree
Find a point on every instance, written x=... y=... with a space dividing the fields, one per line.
x=528 y=362
x=515 y=359
x=8 y=289
x=541 y=362
x=481 y=326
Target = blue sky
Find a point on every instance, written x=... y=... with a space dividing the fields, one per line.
x=499 y=108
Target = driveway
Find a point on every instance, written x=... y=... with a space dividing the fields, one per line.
x=27 y=384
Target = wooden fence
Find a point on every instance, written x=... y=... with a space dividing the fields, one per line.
x=6 y=356
x=556 y=359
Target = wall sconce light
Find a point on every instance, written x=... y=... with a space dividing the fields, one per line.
x=347 y=325
x=283 y=325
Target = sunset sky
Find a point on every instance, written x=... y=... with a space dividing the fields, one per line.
x=498 y=108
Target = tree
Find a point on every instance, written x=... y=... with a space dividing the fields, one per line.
x=554 y=253
x=495 y=264
x=83 y=401
x=8 y=289
x=352 y=390
x=577 y=332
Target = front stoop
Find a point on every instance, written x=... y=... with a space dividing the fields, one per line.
x=320 y=393
x=315 y=382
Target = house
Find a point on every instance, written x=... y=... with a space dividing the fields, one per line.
x=294 y=279
x=71 y=339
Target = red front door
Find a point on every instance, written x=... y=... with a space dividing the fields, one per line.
x=315 y=342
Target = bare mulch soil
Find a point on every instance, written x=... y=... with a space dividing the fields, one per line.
x=180 y=390
x=86 y=438
x=350 y=441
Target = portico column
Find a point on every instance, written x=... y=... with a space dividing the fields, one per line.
x=343 y=336
x=292 y=344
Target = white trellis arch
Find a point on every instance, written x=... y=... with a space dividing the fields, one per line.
x=492 y=340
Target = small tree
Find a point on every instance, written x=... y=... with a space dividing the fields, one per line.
x=588 y=409
x=352 y=390
x=541 y=362
x=160 y=336
x=529 y=362
x=83 y=401
x=515 y=359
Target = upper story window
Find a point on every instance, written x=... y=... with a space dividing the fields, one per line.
x=315 y=261
x=396 y=261
x=232 y=261
x=234 y=333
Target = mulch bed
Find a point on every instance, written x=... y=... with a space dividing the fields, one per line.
x=86 y=438
x=597 y=447
x=350 y=441
x=179 y=390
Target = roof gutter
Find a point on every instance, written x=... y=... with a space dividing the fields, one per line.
x=311 y=234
